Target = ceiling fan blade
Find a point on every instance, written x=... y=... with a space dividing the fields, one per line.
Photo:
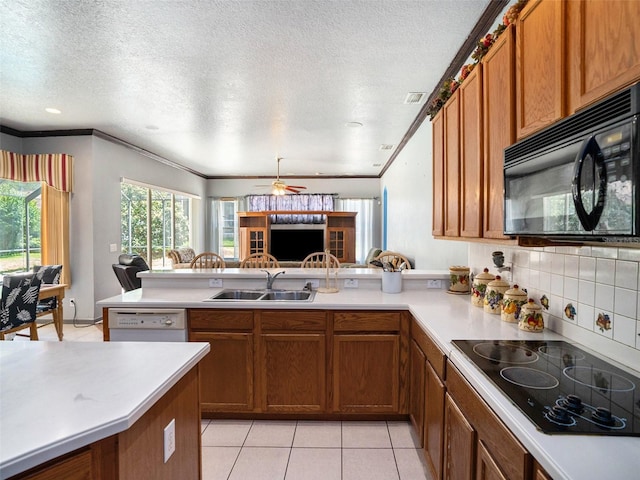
x=292 y=189
x=297 y=186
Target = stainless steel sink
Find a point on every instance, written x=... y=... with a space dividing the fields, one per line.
x=297 y=295
x=230 y=294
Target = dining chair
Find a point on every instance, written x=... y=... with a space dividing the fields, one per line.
x=394 y=258
x=260 y=260
x=18 y=304
x=207 y=260
x=319 y=260
x=48 y=275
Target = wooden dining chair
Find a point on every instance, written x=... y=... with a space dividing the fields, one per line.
x=207 y=260
x=319 y=260
x=260 y=260
x=48 y=275
x=18 y=304
x=394 y=258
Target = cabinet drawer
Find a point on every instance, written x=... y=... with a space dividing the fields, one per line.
x=435 y=356
x=220 y=320
x=366 y=321
x=309 y=320
x=512 y=458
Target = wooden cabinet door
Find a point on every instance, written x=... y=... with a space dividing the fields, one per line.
x=433 y=420
x=603 y=48
x=226 y=372
x=487 y=468
x=437 y=128
x=471 y=154
x=540 y=65
x=366 y=376
x=459 y=443
x=498 y=84
x=341 y=242
x=292 y=372
x=452 y=166
x=417 y=367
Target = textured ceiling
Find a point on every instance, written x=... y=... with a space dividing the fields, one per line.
x=223 y=87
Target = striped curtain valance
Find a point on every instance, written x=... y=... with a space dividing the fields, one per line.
x=55 y=169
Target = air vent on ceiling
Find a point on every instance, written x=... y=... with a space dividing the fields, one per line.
x=386 y=146
x=413 y=98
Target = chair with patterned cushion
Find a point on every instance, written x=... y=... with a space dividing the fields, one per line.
x=207 y=260
x=181 y=257
x=260 y=260
x=319 y=260
x=49 y=275
x=18 y=305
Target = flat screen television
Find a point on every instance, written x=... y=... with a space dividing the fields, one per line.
x=295 y=244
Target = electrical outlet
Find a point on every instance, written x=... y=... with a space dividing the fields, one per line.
x=72 y=301
x=434 y=283
x=350 y=283
x=169 y=439
x=315 y=282
x=215 y=282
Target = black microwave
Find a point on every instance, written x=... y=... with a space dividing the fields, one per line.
x=578 y=179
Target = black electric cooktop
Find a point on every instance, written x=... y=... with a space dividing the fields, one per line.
x=560 y=387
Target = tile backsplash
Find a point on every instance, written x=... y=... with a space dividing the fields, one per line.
x=591 y=293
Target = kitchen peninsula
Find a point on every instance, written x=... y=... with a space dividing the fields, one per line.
x=98 y=410
x=417 y=323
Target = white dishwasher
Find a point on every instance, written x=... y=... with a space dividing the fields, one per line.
x=147 y=325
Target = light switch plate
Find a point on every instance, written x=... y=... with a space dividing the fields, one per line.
x=215 y=282
x=113 y=247
x=169 y=439
x=350 y=283
x=434 y=283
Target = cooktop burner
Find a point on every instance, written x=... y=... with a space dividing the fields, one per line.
x=560 y=387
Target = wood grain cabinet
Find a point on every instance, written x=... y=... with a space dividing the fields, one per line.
x=603 y=49
x=417 y=383
x=370 y=362
x=477 y=444
x=227 y=371
x=498 y=87
x=540 y=69
x=292 y=362
x=452 y=205
x=437 y=124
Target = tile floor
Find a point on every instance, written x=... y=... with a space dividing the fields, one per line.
x=309 y=450
x=293 y=450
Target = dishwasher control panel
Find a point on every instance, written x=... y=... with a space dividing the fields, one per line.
x=164 y=319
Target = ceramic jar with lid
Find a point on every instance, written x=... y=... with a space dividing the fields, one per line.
x=459 y=277
x=531 y=317
x=479 y=287
x=512 y=302
x=493 y=295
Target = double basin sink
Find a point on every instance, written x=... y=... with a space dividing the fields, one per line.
x=229 y=294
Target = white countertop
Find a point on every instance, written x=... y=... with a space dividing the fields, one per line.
x=449 y=317
x=56 y=397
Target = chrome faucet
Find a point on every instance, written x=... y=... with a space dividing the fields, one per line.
x=271 y=278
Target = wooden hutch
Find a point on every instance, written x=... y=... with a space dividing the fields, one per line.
x=340 y=232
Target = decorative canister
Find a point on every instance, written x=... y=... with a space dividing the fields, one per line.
x=512 y=302
x=459 y=277
x=480 y=287
x=494 y=294
x=531 y=317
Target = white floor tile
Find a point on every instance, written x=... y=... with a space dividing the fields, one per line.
x=204 y=424
x=259 y=463
x=369 y=464
x=315 y=464
x=226 y=433
x=271 y=433
x=402 y=435
x=365 y=435
x=217 y=462
x=318 y=434
x=411 y=464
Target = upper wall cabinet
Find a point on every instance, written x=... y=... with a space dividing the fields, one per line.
x=603 y=48
x=540 y=65
x=438 y=174
x=499 y=127
x=471 y=154
x=452 y=166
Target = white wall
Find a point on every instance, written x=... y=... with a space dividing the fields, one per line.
x=95 y=208
x=409 y=189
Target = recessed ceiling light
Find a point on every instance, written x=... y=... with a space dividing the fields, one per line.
x=386 y=146
x=413 y=98
x=353 y=124
x=152 y=127
x=377 y=164
x=52 y=110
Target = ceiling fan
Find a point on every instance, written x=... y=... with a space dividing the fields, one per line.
x=278 y=187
